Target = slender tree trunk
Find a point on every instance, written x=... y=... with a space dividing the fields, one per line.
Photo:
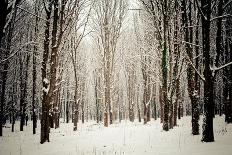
x=138 y=107
x=82 y=112
x=172 y=83
x=22 y=118
x=145 y=98
x=23 y=93
x=161 y=105
x=76 y=105
x=177 y=58
x=97 y=100
x=106 y=68
x=34 y=119
x=13 y=101
x=154 y=102
x=4 y=78
x=148 y=101
x=195 y=106
x=164 y=69
x=67 y=108
x=34 y=92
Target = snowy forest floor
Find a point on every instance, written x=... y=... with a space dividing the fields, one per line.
x=119 y=138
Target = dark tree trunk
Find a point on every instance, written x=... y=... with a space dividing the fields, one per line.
x=149 y=112
x=5 y=10
x=154 y=109
x=34 y=119
x=164 y=69
x=176 y=82
x=171 y=77
x=45 y=130
x=82 y=112
x=34 y=91
x=13 y=123
x=207 y=134
x=187 y=18
x=195 y=106
x=161 y=105
x=229 y=102
x=227 y=71
x=111 y=114
x=76 y=110
x=13 y=101
x=23 y=102
x=67 y=111
x=22 y=118
x=3 y=15
x=218 y=53
x=53 y=63
x=177 y=102
x=4 y=76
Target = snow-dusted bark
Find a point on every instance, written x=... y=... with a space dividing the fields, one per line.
x=45 y=130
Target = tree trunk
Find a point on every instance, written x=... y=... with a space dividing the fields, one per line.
x=138 y=107
x=3 y=7
x=22 y=118
x=34 y=119
x=207 y=134
x=45 y=130
x=195 y=108
x=164 y=70
x=67 y=108
x=76 y=109
x=145 y=99
x=4 y=78
x=82 y=112
x=3 y=16
x=23 y=94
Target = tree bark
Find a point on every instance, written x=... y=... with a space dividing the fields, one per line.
x=207 y=134
x=164 y=69
x=3 y=16
x=45 y=129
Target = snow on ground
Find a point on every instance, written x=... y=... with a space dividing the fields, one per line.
x=124 y=138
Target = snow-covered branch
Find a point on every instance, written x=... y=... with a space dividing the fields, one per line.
x=192 y=44
x=191 y=63
x=227 y=4
x=223 y=16
x=221 y=67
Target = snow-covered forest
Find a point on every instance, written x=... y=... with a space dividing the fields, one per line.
x=115 y=77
